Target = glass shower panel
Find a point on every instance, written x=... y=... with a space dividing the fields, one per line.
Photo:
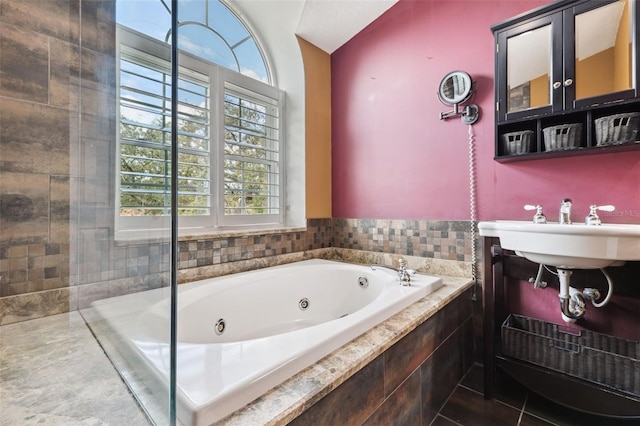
x=122 y=239
x=193 y=114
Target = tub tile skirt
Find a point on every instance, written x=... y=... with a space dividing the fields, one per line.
x=409 y=382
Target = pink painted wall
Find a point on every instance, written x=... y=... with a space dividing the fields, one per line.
x=393 y=158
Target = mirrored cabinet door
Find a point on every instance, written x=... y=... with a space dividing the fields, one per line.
x=602 y=54
x=530 y=57
x=529 y=69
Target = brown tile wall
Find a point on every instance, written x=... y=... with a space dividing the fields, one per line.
x=40 y=68
x=409 y=383
x=57 y=127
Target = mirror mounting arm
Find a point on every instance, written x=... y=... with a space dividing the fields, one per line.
x=470 y=114
x=454 y=113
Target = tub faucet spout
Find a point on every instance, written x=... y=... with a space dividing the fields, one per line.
x=404 y=274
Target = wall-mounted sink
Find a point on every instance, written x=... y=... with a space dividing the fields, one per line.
x=574 y=246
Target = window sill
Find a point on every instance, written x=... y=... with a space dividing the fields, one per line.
x=192 y=234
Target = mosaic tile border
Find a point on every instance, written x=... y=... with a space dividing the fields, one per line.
x=423 y=238
x=37 y=279
x=39 y=267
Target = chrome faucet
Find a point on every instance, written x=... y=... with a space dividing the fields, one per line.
x=404 y=274
x=539 y=217
x=565 y=211
x=593 y=218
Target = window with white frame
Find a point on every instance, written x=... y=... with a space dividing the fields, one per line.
x=230 y=160
x=252 y=154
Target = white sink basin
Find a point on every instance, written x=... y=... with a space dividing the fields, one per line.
x=575 y=246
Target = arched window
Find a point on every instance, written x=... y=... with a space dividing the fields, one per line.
x=231 y=169
x=207 y=28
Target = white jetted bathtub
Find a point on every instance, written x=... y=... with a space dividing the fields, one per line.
x=242 y=334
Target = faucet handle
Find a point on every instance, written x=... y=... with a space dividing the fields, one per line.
x=403 y=270
x=607 y=208
x=403 y=266
x=404 y=274
x=593 y=218
x=539 y=217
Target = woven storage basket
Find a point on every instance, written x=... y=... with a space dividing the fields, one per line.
x=516 y=143
x=617 y=129
x=564 y=136
x=598 y=358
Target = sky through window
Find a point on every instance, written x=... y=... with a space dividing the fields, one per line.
x=206 y=28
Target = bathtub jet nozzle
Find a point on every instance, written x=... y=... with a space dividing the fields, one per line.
x=221 y=325
x=303 y=304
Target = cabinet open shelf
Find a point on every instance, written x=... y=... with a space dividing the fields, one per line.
x=586 y=144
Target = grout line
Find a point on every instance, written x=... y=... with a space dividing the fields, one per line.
x=544 y=419
x=524 y=411
x=526 y=398
x=493 y=399
x=445 y=402
x=471 y=389
x=445 y=417
x=474 y=365
x=49 y=76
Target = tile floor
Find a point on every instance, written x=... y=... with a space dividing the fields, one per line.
x=513 y=405
x=52 y=372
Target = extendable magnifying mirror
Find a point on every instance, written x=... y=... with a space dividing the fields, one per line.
x=455 y=89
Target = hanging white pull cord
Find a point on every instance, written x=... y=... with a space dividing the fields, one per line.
x=472 y=207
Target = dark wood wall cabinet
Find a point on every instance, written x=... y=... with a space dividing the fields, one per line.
x=566 y=80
